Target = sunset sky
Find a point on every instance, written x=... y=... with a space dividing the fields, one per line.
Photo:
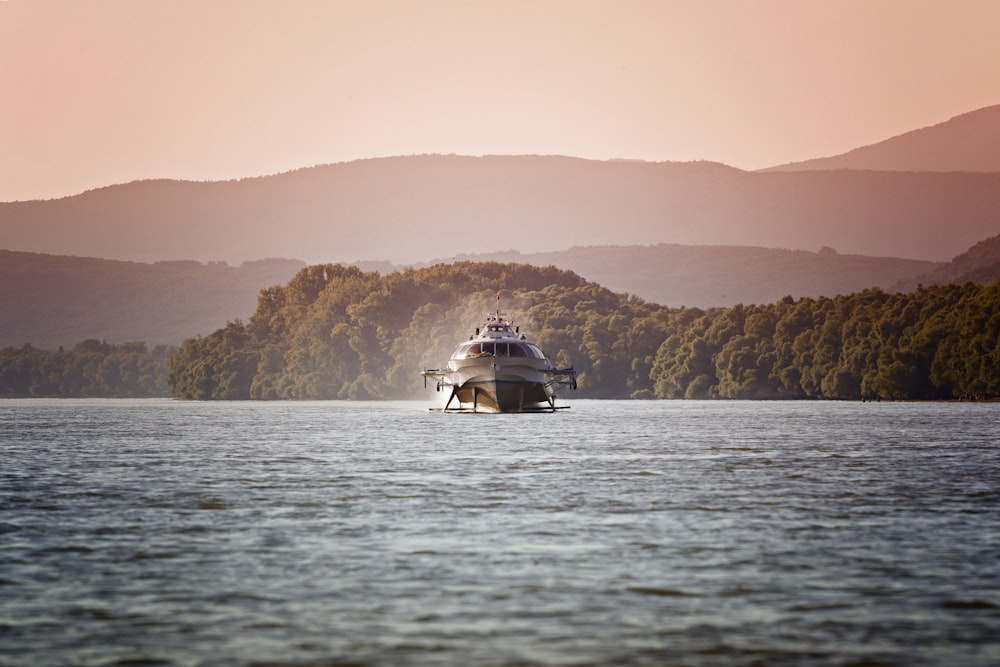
x=97 y=92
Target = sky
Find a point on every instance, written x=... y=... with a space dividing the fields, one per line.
x=98 y=92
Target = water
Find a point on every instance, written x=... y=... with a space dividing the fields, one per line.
x=615 y=533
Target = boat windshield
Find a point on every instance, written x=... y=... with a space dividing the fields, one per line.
x=497 y=349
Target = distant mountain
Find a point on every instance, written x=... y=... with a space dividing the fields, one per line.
x=703 y=276
x=50 y=301
x=979 y=264
x=969 y=142
x=413 y=208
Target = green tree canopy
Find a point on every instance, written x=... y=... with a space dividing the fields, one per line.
x=92 y=369
x=338 y=332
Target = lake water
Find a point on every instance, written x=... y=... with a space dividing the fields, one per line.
x=162 y=532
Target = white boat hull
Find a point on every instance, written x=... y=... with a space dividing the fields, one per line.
x=502 y=389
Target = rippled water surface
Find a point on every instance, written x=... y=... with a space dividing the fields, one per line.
x=614 y=533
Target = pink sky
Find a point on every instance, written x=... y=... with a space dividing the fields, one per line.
x=96 y=92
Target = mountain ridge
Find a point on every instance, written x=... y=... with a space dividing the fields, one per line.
x=966 y=142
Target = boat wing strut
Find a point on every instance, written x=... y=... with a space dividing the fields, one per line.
x=562 y=377
x=440 y=376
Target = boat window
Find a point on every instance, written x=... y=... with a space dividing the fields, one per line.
x=466 y=350
x=498 y=349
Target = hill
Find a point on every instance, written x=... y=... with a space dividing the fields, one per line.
x=980 y=264
x=408 y=209
x=969 y=142
x=707 y=276
x=50 y=301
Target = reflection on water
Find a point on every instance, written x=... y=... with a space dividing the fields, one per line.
x=659 y=533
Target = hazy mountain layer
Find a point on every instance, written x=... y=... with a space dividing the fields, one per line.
x=50 y=301
x=413 y=208
x=704 y=276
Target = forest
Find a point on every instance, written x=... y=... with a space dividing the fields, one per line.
x=92 y=369
x=336 y=332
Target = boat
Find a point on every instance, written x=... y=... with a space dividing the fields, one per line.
x=498 y=370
